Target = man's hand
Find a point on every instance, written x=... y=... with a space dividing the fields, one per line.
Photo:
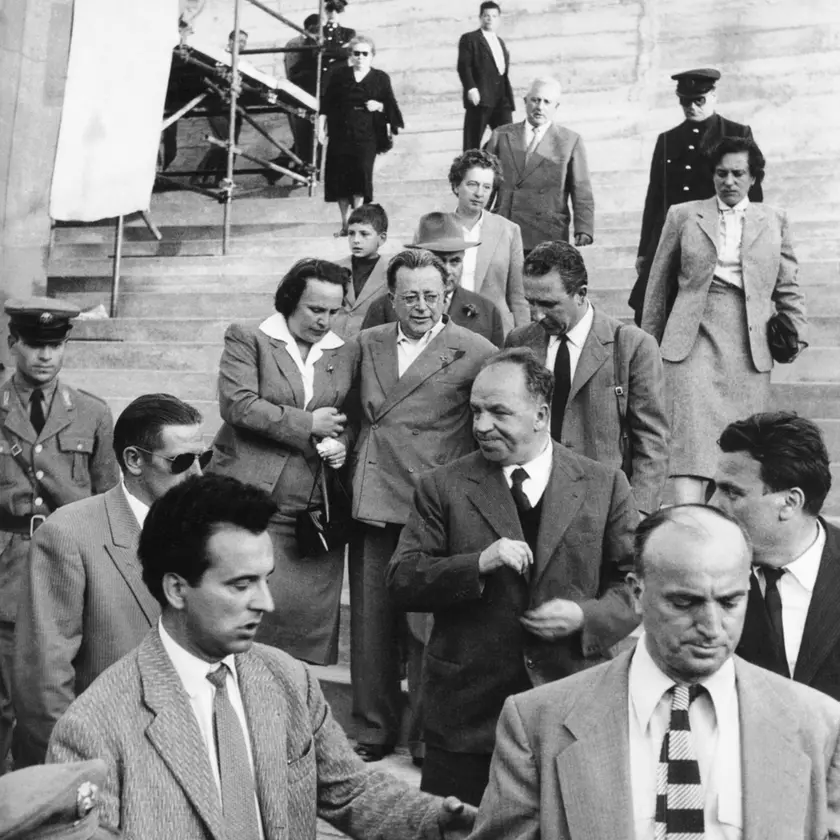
x=504 y=552
x=554 y=619
x=327 y=421
x=473 y=96
x=640 y=264
x=582 y=239
x=455 y=818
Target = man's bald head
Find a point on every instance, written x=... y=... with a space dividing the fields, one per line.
x=541 y=100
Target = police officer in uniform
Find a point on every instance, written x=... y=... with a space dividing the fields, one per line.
x=679 y=170
x=55 y=447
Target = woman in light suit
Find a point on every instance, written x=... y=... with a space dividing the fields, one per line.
x=281 y=389
x=722 y=268
x=494 y=268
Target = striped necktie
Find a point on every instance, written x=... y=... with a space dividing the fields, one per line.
x=679 y=792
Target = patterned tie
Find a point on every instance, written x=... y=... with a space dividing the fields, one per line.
x=773 y=603
x=36 y=410
x=234 y=767
x=518 y=476
x=679 y=792
x=532 y=146
x=562 y=387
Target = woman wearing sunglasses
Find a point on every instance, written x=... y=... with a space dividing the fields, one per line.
x=281 y=389
x=359 y=114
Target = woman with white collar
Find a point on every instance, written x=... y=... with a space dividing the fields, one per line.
x=281 y=388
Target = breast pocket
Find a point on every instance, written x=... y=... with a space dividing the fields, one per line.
x=301 y=768
x=78 y=450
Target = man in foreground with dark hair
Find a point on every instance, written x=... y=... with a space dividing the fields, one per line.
x=677 y=737
x=83 y=604
x=773 y=477
x=204 y=733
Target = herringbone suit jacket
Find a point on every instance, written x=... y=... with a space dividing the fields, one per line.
x=137 y=717
x=83 y=606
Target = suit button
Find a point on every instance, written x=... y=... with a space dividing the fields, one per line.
x=529 y=663
x=39 y=475
x=415 y=432
x=669 y=160
x=38 y=502
x=688 y=167
x=685 y=189
x=690 y=147
x=39 y=448
x=375 y=426
x=78 y=446
x=411 y=469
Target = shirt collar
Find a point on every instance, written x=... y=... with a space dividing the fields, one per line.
x=536 y=468
x=24 y=390
x=647 y=684
x=578 y=333
x=806 y=567
x=276 y=326
x=192 y=670
x=739 y=208
x=138 y=508
x=530 y=130
x=424 y=340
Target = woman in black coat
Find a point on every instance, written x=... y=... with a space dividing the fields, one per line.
x=359 y=113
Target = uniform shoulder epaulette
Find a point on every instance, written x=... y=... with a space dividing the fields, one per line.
x=88 y=394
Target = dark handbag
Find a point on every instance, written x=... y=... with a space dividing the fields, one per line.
x=326 y=526
x=384 y=141
x=783 y=339
x=621 y=406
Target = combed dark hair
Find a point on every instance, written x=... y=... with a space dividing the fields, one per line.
x=472 y=159
x=671 y=514
x=232 y=33
x=311 y=22
x=143 y=420
x=293 y=285
x=563 y=257
x=178 y=526
x=736 y=145
x=413 y=258
x=790 y=449
x=370 y=214
x=539 y=380
x=335 y=6
x=489 y=4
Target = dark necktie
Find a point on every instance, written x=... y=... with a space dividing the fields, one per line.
x=562 y=386
x=237 y=780
x=773 y=603
x=518 y=476
x=679 y=793
x=36 y=410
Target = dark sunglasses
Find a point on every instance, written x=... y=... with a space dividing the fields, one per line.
x=360 y=52
x=181 y=463
x=699 y=101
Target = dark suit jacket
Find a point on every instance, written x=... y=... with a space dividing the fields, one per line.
x=466 y=309
x=83 y=606
x=590 y=424
x=560 y=770
x=818 y=663
x=536 y=195
x=477 y=69
x=478 y=653
x=138 y=719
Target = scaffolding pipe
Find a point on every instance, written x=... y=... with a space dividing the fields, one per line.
x=234 y=93
x=316 y=117
x=115 y=278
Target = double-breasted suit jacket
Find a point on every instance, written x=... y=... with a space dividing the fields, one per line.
x=537 y=194
x=478 y=653
x=412 y=423
x=591 y=424
x=83 y=606
x=349 y=322
x=137 y=718
x=685 y=263
x=561 y=770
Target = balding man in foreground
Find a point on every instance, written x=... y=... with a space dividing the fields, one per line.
x=741 y=752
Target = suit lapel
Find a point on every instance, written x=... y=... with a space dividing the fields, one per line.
x=62 y=413
x=16 y=418
x=492 y=498
x=174 y=733
x=383 y=354
x=547 y=149
x=289 y=369
x=755 y=223
x=593 y=354
x=324 y=389
x=707 y=220
x=487 y=248
x=516 y=142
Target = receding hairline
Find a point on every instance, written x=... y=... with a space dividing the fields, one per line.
x=546 y=81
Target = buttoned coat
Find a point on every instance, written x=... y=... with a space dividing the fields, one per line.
x=349 y=322
x=561 y=769
x=685 y=263
x=137 y=717
x=412 y=423
x=537 y=194
x=83 y=606
x=591 y=424
x=72 y=458
x=478 y=653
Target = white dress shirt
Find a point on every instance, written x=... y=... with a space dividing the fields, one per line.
x=408 y=349
x=796 y=588
x=193 y=674
x=730 y=233
x=138 y=508
x=276 y=327
x=715 y=735
x=539 y=472
x=471 y=254
x=496 y=48
x=576 y=338
x=531 y=130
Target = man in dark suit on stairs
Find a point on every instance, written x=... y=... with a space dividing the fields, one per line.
x=773 y=476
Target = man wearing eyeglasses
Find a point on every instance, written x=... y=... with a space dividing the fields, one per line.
x=679 y=170
x=83 y=604
x=414 y=380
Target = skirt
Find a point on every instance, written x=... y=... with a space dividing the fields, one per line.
x=349 y=172
x=715 y=384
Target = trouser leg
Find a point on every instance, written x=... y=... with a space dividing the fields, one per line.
x=464 y=775
x=7 y=712
x=475 y=121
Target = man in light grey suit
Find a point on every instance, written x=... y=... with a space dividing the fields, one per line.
x=83 y=603
x=591 y=355
x=207 y=736
x=591 y=756
x=544 y=167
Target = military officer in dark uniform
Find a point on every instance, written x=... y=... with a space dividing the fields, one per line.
x=55 y=448
x=336 y=39
x=679 y=170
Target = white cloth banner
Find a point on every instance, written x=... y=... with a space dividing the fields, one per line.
x=120 y=56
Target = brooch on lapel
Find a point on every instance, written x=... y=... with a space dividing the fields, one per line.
x=469 y=310
x=330 y=368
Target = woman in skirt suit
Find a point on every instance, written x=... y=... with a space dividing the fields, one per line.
x=723 y=267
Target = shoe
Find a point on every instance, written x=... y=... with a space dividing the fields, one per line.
x=417 y=760
x=372 y=752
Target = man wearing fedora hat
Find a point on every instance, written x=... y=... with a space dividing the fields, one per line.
x=441 y=234
x=679 y=170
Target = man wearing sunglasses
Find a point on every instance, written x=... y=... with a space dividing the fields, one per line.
x=83 y=604
x=679 y=170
